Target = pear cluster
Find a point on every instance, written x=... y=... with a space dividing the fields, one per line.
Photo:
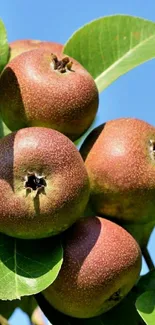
x=99 y=200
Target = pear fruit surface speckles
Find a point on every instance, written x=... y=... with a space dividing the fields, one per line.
x=102 y=262
x=44 y=183
x=40 y=88
x=121 y=169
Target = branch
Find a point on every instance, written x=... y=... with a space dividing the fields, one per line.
x=148 y=258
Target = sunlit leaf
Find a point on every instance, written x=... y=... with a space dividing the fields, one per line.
x=111 y=46
x=4 y=46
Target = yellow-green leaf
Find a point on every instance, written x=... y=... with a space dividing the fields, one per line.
x=111 y=46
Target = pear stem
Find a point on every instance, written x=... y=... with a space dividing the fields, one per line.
x=148 y=258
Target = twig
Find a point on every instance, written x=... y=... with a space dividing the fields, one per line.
x=148 y=258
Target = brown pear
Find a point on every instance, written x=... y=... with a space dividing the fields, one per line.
x=38 y=88
x=22 y=45
x=121 y=168
x=102 y=262
x=44 y=183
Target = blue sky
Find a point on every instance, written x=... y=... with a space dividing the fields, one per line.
x=131 y=95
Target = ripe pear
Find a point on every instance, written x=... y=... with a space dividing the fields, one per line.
x=121 y=168
x=44 y=183
x=19 y=46
x=102 y=262
x=38 y=88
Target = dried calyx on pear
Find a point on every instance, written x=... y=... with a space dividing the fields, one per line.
x=61 y=65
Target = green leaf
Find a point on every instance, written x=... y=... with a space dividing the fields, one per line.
x=27 y=266
x=3 y=129
x=27 y=305
x=7 y=308
x=111 y=46
x=146 y=282
x=4 y=46
x=145 y=305
x=124 y=313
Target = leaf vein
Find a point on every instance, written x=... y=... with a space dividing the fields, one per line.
x=104 y=73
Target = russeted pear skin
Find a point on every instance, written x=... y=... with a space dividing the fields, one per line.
x=121 y=169
x=102 y=262
x=22 y=45
x=34 y=89
x=44 y=183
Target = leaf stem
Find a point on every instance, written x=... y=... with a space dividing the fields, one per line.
x=148 y=258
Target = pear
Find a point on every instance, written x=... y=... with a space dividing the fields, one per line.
x=102 y=262
x=44 y=183
x=120 y=161
x=22 y=45
x=38 y=88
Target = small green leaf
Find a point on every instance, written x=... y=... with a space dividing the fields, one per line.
x=111 y=46
x=27 y=305
x=27 y=266
x=147 y=282
x=7 y=308
x=3 y=129
x=145 y=305
x=4 y=46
